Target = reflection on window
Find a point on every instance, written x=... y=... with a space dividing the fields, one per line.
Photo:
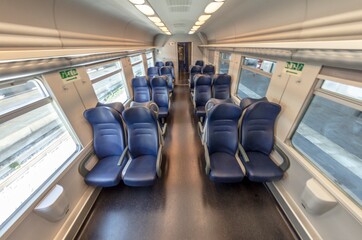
x=34 y=144
x=224 y=62
x=329 y=135
x=138 y=69
x=149 y=57
x=109 y=83
x=254 y=78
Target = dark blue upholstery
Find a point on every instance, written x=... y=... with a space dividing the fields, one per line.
x=209 y=70
x=141 y=92
x=152 y=72
x=257 y=139
x=246 y=102
x=118 y=106
x=159 y=64
x=160 y=95
x=222 y=142
x=221 y=86
x=199 y=63
x=108 y=143
x=143 y=143
x=169 y=63
x=202 y=94
x=193 y=71
x=167 y=71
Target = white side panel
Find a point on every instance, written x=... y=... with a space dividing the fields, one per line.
x=128 y=74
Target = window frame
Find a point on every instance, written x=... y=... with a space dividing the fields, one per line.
x=148 y=58
x=136 y=63
x=220 y=59
x=49 y=182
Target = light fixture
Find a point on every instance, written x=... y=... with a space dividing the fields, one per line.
x=145 y=9
x=199 y=23
x=219 y=0
x=164 y=28
x=195 y=27
x=160 y=24
x=203 y=18
x=213 y=7
x=155 y=19
x=191 y=32
x=137 y=1
x=168 y=33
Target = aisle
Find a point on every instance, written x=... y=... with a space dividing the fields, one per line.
x=184 y=203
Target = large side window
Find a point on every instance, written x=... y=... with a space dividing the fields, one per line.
x=255 y=77
x=35 y=142
x=329 y=134
x=211 y=56
x=150 y=62
x=137 y=66
x=109 y=82
x=224 y=62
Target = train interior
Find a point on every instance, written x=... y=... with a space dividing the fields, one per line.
x=180 y=119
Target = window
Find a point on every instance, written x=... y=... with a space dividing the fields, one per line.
x=329 y=135
x=35 y=142
x=137 y=66
x=149 y=57
x=211 y=57
x=224 y=62
x=109 y=82
x=255 y=77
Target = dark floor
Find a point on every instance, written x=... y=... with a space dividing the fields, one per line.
x=183 y=77
x=184 y=203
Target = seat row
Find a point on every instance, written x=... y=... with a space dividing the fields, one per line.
x=128 y=144
x=162 y=71
x=238 y=141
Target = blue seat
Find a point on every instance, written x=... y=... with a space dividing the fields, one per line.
x=257 y=142
x=118 y=106
x=246 y=102
x=109 y=146
x=202 y=94
x=221 y=86
x=193 y=71
x=167 y=71
x=169 y=63
x=160 y=95
x=141 y=91
x=152 y=72
x=144 y=147
x=209 y=70
x=159 y=64
x=199 y=63
x=221 y=143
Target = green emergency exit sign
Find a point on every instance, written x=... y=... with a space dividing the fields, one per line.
x=294 y=68
x=69 y=75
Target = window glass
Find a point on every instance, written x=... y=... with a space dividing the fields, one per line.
x=138 y=69
x=264 y=65
x=135 y=59
x=149 y=57
x=329 y=135
x=34 y=144
x=252 y=84
x=343 y=89
x=109 y=83
x=224 y=62
x=211 y=57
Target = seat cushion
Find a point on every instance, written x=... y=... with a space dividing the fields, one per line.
x=141 y=171
x=225 y=168
x=162 y=112
x=106 y=173
x=261 y=168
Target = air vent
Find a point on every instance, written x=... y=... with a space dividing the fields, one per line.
x=179 y=9
x=179 y=3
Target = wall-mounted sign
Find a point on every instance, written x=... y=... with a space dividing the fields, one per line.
x=294 y=68
x=69 y=75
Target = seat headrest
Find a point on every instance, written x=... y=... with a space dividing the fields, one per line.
x=138 y=115
x=224 y=111
x=202 y=79
x=262 y=110
x=213 y=102
x=140 y=81
x=118 y=106
x=159 y=64
x=169 y=63
x=196 y=69
x=199 y=63
x=152 y=70
x=208 y=69
x=165 y=70
x=246 y=102
x=102 y=114
x=221 y=79
x=152 y=106
x=160 y=81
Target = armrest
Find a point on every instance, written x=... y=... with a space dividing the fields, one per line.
x=81 y=168
x=164 y=129
x=207 y=159
x=243 y=153
x=286 y=162
x=120 y=161
x=200 y=128
x=159 y=162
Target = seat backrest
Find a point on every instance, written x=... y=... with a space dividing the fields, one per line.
x=142 y=125
x=257 y=127
x=222 y=128
x=246 y=102
x=160 y=91
x=152 y=72
x=169 y=63
x=108 y=132
x=166 y=70
x=199 y=63
x=141 y=92
x=118 y=106
x=202 y=90
x=193 y=71
x=208 y=69
x=213 y=102
x=221 y=86
x=159 y=64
